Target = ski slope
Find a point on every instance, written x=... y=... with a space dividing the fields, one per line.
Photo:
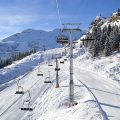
x=107 y=93
x=97 y=96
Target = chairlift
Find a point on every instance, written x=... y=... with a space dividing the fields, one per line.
x=57 y=69
x=65 y=59
x=62 y=39
x=20 y=88
x=26 y=103
x=62 y=62
x=39 y=72
x=47 y=79
x=26 y=106
x=50 y=65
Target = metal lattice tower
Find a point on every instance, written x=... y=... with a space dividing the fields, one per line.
x=57 y=77
x=71 y=28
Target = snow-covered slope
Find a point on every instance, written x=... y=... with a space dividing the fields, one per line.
x=104 y=81
x=97 y=95
x=49 y=103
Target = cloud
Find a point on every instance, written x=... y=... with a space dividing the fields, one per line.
x=15 y=19
x=10 y=24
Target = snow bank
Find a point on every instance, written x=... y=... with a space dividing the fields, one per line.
x=108 y=67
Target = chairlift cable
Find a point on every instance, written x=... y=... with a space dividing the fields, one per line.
x=58 y=10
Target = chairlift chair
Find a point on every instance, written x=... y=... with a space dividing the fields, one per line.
x=65 y=59
x=62 y=62
x=26 y=103
x=47 y=80
x=26 y=106
x=20 y=89
x=57 y=69
x=62 y=39
x=50 y=65
x=40 y=73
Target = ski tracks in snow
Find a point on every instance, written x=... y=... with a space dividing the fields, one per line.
x=96 y=100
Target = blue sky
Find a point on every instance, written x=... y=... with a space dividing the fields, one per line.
x=17 y=15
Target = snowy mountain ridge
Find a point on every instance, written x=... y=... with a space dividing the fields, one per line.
x=103 y=36
x=112 y=20
x=30 y=39
x=27 y=40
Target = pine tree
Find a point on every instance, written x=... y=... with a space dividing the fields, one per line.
x=112 y=40
x=107 y=47
x=103 y=39
x=116 y=38
x=109 y=29
x=96 y=44
x=117 y=43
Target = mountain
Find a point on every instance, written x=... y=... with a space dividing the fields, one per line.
x=29 y=39
x=112 y=20
x=105 y=33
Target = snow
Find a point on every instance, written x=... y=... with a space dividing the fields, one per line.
x=106 y=66
x=27 y=40
x=98 y=18
x=112 y=24
x=103 y=81
x=25 y=65
x=115 y=13
x=30 y=39
x=96 y=87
